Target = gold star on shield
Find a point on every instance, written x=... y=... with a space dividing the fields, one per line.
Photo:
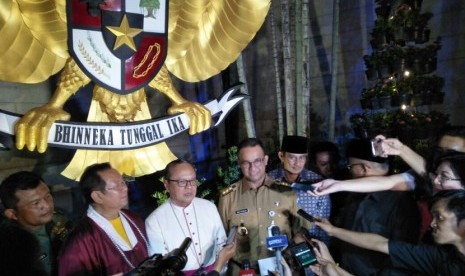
x=124 y=34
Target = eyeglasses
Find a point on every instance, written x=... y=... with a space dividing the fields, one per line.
x=350 y=166
x=184 y=182
x=123 y=185
x=296 y=158
x=247 y=164
x=441 y=178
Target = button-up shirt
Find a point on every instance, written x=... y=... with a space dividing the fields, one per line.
x=319 y=207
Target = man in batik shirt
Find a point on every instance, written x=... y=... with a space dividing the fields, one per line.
x=293 y=155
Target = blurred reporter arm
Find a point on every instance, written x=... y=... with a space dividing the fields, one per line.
x=395 y=182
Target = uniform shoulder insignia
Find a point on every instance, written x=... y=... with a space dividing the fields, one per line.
x=228 y=189
x=281 y=186
x=60 y=225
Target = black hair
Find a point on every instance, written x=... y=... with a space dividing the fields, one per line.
x=92 y=181
x=250 y=142
x=22 y=180
x=454 y=201
x=455 y=131
x=173 y=164
x=331 y=149
x=326 y=146
x=456 y=161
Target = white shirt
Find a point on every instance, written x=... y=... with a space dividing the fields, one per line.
x=169 y=225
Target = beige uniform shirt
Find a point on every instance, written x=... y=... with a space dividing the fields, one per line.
x=256 y=211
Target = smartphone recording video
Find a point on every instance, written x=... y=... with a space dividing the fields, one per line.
x=303 y=254
x=376 y=148
x=231 y=235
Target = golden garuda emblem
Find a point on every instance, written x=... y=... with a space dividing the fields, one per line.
x=120 y=47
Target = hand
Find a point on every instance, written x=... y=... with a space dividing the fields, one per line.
x=225 y=254
x=390 y=146
x=326 y=264
x=325 y=187
x=199 y=116
x=326 y=269
x=33 y=128
x=286 y=269
x=325 y=225
x=322 y=251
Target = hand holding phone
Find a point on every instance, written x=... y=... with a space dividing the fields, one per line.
x=376 y=148
x=307 y=216
x=304 y=255
x=302 y=187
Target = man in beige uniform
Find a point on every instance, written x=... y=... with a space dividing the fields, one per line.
x=256 y=202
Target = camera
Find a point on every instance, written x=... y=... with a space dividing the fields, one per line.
x=303 y=254
x=168 y=265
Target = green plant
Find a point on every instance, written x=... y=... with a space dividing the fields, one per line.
x=396 y=53
x=403 y=84
x=161 y=196
x=416 y=19
x=425 y=83
x=368 y=93
x=382 y=25
x=422 y=119
x=378 y=59
x=371 y=61
x=402 y=118
x=382 y=120
x=231 y=173
x=358 y=120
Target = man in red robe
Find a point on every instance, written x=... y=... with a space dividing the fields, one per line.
x=109 y=239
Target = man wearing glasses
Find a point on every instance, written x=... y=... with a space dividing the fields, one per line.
x=255 y=203
x=185 y=215
x=109 y=240
x=393 y=215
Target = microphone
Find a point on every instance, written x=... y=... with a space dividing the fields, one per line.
x=170 y=264
x=177 y=259
x=246 y=269
x=277 y=241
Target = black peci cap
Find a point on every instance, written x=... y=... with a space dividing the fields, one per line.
x=294 y=144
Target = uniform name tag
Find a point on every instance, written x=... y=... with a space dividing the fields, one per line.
x=242 y=211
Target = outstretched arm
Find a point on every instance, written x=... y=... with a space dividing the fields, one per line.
x=395 y=182
x=364 y=240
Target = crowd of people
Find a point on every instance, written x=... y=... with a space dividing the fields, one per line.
x=361 y=220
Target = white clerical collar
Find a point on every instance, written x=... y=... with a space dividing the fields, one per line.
x=179 y=208
x=108 y=228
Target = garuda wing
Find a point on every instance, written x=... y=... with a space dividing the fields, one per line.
x=205 y=36
x=33 y=39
